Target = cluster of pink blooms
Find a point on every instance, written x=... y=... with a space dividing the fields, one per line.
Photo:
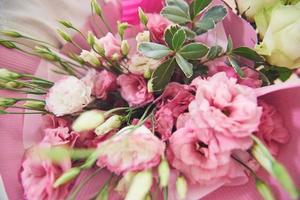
x=198 y=127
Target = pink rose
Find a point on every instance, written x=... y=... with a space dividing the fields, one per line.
x=110 y=44
x=271 y=129
x=157 y=26
x=134 y=89
x=67 y=96
x=105 y=82
x=225 y=106
x=198 y=155
x=38 y=175
x=131 y=150
x=60 y=136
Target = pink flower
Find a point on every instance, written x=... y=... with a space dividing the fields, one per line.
x=105 y=82
x=197 y=154
x=51 y=121
x=67 y=96
x=164 y=123
x=110 y=44
x=38 y=175
x=229 y=108
x=134 y=89
x=157 y=26
x=251 y=78
x=60 y=136
x=271 y=129
x=131 y=150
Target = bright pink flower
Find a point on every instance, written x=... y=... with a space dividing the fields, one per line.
x=157 y=25
x=198 y=155
x=110 y=44
x=105 y=82
x=227 y=107
x=271 y=129
x=39 y=174
x=60 y=136
x=131 y=150
x=134 y=89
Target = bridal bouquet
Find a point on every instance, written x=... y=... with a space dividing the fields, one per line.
x=163 y=106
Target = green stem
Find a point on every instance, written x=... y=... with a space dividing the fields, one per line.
x=39 y=41
x=23 y=113
x=105 y=23
x=107 y=113
x=82 y=184
x=165 y=190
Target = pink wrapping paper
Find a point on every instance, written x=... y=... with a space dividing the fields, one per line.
x=285 y=97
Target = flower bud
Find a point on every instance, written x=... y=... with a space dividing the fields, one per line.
x=90 y=57
x=13 y=34
x=140 y=186
x=90 y=161
x=163 y=173
x=35 y=105
x=143 y=37
x=7 y=102
x=66 y=23
x=147 y=73
x=121 y=28
x=181 y=187
x=143 y=17
x=8 y=44
x=66 y=177
x=64 y=35
x=88 y=120
x=76 y=58
x=90 y=38
x=115 y=57
x=111 y=123
x=125 y=47
x=99 y=48
x=96 y=7
x=150 y=86
x=264 y=190
x=4 y=73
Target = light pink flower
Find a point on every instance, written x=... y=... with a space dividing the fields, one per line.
x=39 y=174
x=105 y=82
x=164 y=123
x=157 y=25
x=131 y=150
x=110 y=44
x=134 y=89
x=197 y=154
x=51 y=121
x=271 y=129
x=227 y=107
x=67 y=96
x=60 y=136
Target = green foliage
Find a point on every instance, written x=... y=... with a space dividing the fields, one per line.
x=153 y=50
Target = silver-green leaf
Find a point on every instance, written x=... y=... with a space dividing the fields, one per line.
x=193 y=51
x=184 y=65
x=153 y=50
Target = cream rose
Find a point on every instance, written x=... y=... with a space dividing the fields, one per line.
x=281 y=43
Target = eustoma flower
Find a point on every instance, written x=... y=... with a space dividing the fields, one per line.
x=131 y=150
x=157 y=26
x=67 y=96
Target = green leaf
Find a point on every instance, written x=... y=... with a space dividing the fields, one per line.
x=284 y=73
x=169 y=34
x=190 y=35
x=184 y=6
x=193 y=51
x=214 y=52
x=236 y=67
x=184 y=65
x=162 y=75
x=264 y=190
x=197 y=6
x=273 y=72
x=153 y=50
x=213 y=16
x=248 y=53
x=175 y=14
x=178 y=39
x=229 y=45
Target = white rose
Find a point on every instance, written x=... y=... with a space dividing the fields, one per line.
x=140 y=64
x=281 y=44
x=67 y=96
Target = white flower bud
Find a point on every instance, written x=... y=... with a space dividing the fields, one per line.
x=36 y=105
x=90 y=57
x=181 y=187
x=111 y=123
x=143 y=37
x=125 y=47
x=142 y=16
x=163 y=173
x=88 y=120
x=64 y=35
x=140 y=186
x=90 y=38
x=99 y=47
x=4 y=73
